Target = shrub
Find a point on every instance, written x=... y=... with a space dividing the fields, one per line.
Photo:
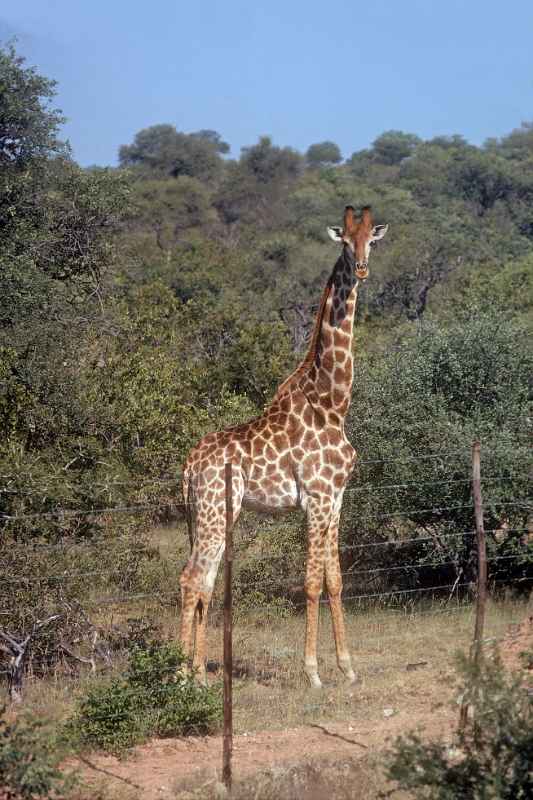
x=433 y=397
x=29 y=759
x=60 y=582
x=155 y=697
x=492 y=757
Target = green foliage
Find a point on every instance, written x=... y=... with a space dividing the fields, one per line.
x=167 y=208
x=254 y=189
x=162 y=151
x=492 y=757
x=392 y=147
x=155 y=697
x=55 y=217
x=432 y=397
x=266 y=162
x=28 y=127
x=15 y=399
x=29 y=759
x=322 y=154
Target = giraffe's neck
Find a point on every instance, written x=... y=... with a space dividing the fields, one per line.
x=325 y=375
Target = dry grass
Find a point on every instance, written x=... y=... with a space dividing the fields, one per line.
x=347 y=779
x=404 y=659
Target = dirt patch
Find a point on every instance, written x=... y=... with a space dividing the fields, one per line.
x=158 y=768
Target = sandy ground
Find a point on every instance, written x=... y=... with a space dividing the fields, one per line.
x=157 y=768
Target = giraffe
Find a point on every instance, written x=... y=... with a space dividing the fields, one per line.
x=295 y=455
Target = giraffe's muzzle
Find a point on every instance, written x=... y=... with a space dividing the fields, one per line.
x=361 y=270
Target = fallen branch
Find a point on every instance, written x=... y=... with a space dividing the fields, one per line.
x=337 y=735
x=107 y=772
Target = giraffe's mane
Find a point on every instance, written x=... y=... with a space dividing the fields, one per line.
x=309 y=358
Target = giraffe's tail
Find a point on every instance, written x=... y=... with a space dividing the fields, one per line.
x=189 y=495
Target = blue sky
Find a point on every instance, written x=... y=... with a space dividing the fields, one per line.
x=299 y=71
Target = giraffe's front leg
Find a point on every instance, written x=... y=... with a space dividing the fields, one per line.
x=334 y=587
x=318 y=516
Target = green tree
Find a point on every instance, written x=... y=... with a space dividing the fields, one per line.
x=168 y=208
x=28 y=126
x=267 y=162
x=392 y=147
x=162 y=151
x=322 y=154
x=54 y=217
x=254 y=189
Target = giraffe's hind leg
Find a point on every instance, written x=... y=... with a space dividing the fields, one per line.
x=197 y=582
x=202 y=606
x=208 y=535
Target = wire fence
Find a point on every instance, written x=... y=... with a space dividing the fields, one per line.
x=387 y=602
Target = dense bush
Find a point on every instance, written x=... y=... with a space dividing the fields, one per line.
x=155 y=697
x=493 y=754
x=416 y=411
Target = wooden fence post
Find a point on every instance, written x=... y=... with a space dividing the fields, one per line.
x=481 y=599
x=228 y=642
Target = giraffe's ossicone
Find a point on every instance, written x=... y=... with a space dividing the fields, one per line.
x=294 y=456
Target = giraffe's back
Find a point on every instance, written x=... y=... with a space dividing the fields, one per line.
x=278 y=458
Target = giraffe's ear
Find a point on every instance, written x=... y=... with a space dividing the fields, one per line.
x=378 y=232
x=335 y=234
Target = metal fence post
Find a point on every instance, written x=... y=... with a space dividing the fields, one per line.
x=481 y=599
x=228 y=642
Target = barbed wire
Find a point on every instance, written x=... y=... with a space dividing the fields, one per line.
x=414 y=484
x=242 y=547
x=421 y=456
x=66 y=577
x=395 y=592
x=70 y=512
x=392 y=542
x=169 y=504
x=415 y=539
x=174 y=594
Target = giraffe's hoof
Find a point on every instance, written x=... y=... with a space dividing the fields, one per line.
x=345 y=666
x=314 y=680
x=311 y=670
x=352 y=678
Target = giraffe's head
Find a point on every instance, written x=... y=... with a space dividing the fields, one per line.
x=358 y=234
